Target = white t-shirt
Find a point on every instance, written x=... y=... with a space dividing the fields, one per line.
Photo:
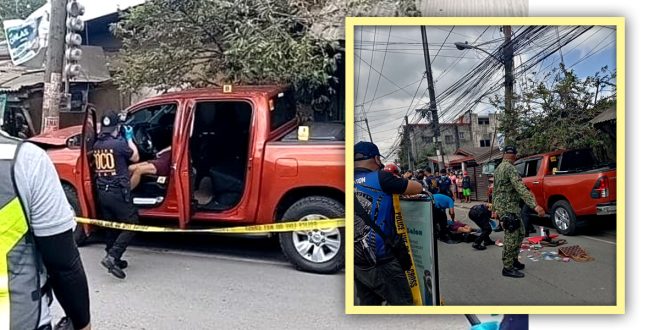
x=40 y=190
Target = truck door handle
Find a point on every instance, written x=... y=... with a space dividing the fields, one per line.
x=535 y=182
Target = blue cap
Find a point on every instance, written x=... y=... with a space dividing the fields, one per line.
x=367 y=150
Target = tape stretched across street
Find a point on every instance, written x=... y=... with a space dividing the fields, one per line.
x=268 y=228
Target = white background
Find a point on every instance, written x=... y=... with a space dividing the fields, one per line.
x=642 y=149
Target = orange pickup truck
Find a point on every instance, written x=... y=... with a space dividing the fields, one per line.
x=236 y=160
x=570 y=185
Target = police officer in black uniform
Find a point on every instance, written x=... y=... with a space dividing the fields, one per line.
x=112 y=151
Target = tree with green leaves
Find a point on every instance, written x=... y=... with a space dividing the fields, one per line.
x=197 y=43
x=13 y=9
x=554 y=111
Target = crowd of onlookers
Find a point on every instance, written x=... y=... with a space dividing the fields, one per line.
x=453 y=183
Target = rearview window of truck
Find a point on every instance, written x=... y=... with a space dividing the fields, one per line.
x=285 y=110
x=577 y=160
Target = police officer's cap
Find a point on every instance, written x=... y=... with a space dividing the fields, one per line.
x=109 y=122
x=365 y=150
x=510 y=150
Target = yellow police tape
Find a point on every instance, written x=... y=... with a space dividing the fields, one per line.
x=268 y=228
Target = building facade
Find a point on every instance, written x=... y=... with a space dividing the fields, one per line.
x=471 y=131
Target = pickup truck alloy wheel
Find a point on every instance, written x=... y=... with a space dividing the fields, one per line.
x=320 y=250
x=563 y=218
x=319 y=245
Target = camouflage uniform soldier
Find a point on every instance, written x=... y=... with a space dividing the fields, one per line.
x=508 y=190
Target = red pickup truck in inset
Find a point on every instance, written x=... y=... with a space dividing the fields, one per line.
x=570 y=185
x=236 y=160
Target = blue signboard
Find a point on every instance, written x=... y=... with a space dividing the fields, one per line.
x=22 y=39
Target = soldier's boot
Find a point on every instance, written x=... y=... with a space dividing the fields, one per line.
x=512 y=272
x=518 y=265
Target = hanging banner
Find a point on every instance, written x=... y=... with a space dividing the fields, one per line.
x=26 y=38
x=418 y=218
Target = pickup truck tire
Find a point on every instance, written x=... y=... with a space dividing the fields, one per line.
x=317 y=251
x=79 y=234
x=563 y=218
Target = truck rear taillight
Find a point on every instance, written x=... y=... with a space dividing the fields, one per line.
x=601 y=188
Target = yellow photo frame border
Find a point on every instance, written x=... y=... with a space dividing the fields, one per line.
x=618 y=22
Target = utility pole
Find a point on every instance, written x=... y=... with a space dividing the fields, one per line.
x=509 y=116
x=366 y=121
x=50 y=113
x=432 y=105
x=408 y=142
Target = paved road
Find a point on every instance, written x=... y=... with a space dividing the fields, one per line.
x=210 y=282
x=471 y=277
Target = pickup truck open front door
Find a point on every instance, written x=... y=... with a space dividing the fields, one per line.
x=181 y=163
x=89 y=131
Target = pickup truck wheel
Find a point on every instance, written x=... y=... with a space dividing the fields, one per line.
x=318 y=251
x=563 y=218
x=79 y=234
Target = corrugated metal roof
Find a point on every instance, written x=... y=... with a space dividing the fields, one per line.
x=488 y=156
x=472 y=151
x=479 y=154
x=461 y=160
x=607 y=115
x=25 y=79
x=94 y=70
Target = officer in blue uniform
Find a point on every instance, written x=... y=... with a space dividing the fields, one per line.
x=384 y=279
x=112 y=153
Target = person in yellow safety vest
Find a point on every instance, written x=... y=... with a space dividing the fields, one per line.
x=36 y=242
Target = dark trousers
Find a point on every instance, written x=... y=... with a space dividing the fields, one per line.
x=485 y=235
x=526 y=214
x=440 y=222
x=115 y=205
x=386 y=282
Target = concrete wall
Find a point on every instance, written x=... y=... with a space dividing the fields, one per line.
x=423 y=139
x=483 y=132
